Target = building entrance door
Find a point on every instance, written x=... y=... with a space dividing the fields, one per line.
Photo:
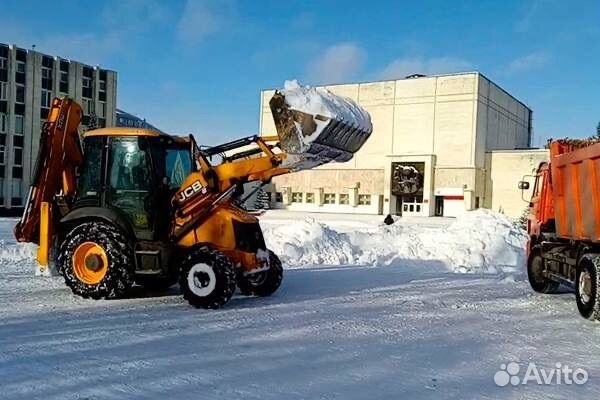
x=439 y=206
x=412 y=205
x=398 y=205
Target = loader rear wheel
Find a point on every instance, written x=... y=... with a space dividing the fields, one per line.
x=587 y=286
x=96 y=261
x=207 y=278
x=537 y=279
x=263 y=283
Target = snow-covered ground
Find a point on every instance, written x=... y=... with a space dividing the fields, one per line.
x=427 y=308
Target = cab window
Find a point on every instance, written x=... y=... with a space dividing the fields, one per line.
x=178 y=166
x=90 y=172
x=130 y=166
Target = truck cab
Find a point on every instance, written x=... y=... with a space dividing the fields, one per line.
x=131 y=175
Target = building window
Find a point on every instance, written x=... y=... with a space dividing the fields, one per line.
x=3 y=63
x=344 y=198
x=46 y=98
x=21 y=67
x=17 y=172
x=3 y=123
x=46 y=73
x=64 y=82
x=2 y=154
x=19 y=121
x=364 y=199
x=18 y=156
x=279 y=197
x=3 y=90
x=16 y=193
x=86 y=83
x=88 y=107
x=18 y=141
x=310 y=197
x=102 y=86
x=329 y=198
x=102 y=110
x=20 y=95
x=297 y=197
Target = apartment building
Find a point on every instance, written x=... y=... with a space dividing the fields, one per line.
x=28 y=82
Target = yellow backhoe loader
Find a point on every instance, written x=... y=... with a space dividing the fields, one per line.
x=123 y=206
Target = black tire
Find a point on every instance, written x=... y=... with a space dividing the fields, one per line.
x=538 y=282
x=207 y=278
x=587 y=286
x=118 y=278
x=263 y=283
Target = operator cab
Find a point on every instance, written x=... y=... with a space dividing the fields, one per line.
x=133 y=173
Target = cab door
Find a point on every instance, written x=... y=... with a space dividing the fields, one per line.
x=132 y=183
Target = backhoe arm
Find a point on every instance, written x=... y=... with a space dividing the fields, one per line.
x=59 y=154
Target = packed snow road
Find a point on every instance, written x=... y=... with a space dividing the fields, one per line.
x=408 y=327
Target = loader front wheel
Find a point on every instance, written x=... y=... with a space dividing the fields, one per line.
x=535 y=273
x=96 y=261
x=263 y=283
x=587 y=286
x=207 y=278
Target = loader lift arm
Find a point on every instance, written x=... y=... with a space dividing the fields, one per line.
x=59 y=154
x=304 y=141
x=258 y=161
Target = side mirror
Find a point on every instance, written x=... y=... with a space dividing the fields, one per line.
x=524 y=185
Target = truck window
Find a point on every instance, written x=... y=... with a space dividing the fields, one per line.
x=178 y=165
x=536 y=185
x=90 y=171
x=130 y=169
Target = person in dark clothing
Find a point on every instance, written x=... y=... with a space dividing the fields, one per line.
x=388 y=220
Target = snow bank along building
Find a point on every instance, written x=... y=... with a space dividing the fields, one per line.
x=440 y=145
x=28 y=82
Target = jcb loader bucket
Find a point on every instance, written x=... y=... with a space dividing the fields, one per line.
x=316 y=139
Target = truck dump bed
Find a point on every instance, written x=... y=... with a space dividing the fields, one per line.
x=576 y=195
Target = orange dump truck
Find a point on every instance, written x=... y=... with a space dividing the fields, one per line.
x=564 y=223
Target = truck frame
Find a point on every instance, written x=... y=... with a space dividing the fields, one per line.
x=564 y=223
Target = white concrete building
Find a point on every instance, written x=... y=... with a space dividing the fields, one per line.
x=28 y=82
x=440 y=145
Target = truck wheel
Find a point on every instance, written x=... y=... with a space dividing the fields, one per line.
x=96 y=261
x=207 y=278
x=537 y=280
x=587 y=286
x=263 y=283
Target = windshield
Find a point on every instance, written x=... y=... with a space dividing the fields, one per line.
x=178 y=165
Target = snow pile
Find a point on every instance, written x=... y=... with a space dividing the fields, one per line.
x=11 y=253
x=320 y=101
x=310 y=242
x=478 y=242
